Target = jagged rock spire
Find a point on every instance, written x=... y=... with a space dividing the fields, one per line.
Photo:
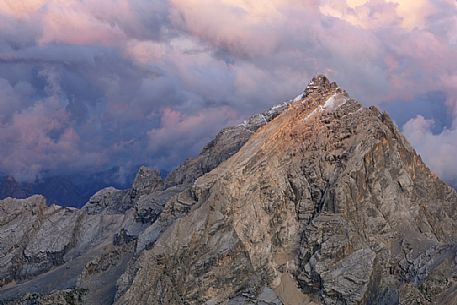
x=320 y=83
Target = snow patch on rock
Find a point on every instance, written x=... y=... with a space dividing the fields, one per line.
x=332 y=103
x=335 y=101
x=299 y=97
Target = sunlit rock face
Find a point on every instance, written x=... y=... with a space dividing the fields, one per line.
x=317 y=201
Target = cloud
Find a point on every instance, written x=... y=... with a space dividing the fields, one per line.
x=245 y=27
x=102 y=83
x=369 y=14
x=437 y=150
x=20 y=8
x=145 y=52
x=180 y=132
x=35 y=137
x=71 y=24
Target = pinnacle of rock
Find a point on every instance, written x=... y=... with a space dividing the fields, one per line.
x=147 y=181
x=321 y=84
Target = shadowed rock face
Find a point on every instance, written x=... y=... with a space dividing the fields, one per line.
x=317 y=201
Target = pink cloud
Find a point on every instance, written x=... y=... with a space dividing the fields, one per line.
x=189 y=132
x=244 y=27
x=370 y=14
x=31 y=147
x=82 y=22
x=21 y=8
x=145 y=52
x=71 y=23
x=29 y=142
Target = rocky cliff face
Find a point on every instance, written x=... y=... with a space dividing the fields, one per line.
x=317 y=201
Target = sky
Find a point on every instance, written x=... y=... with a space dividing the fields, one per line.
x=89 y=84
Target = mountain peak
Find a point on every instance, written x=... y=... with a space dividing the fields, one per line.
x=320 y=80
x=318 y=200
x=321 y=84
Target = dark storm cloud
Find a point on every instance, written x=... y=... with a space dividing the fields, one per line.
x=88 y=84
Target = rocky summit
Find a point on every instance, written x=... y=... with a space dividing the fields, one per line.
x=317 y=201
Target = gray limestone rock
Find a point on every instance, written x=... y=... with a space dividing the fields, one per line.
x=109 y=200
x=147 y=181
x=328 y=193
x=59 y=297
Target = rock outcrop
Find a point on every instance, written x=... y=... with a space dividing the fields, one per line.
x=63 y=297
x=317 y=201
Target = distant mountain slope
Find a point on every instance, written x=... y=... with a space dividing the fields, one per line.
x=66 y=190
x=9 y=187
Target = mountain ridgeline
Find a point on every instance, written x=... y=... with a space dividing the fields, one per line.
x=317 y=201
